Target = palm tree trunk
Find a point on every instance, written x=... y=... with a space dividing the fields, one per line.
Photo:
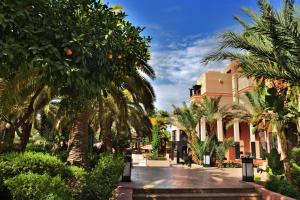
x=105 y=133
x=284 y=153
x=26 y=129
x=8 y=139
x=78 y=140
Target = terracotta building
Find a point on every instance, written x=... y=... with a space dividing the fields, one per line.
x=229 y=85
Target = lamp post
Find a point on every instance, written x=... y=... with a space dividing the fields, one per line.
x=247 y=169
x=206 y=159
x=126 y=176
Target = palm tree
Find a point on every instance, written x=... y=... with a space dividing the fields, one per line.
x=211 y=109
x=268 y=111
x=268 y=48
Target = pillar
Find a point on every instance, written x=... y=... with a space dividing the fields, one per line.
x=236 y=131
x=203 y=129
x=220 y=130
x=252 y=141
x=236 y=136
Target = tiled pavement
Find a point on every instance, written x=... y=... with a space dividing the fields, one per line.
x=179 y=177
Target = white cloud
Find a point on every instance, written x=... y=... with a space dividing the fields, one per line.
x=178 y=66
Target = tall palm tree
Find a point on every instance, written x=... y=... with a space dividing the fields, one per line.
x=267 y=48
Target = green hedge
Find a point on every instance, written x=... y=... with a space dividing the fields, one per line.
x=280 y=185
x=13 y=164
x=32 y=186
x=295 y=171
x=104 y=178
x=30 y=172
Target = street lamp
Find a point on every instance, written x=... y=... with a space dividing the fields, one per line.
x=206 y=159
x=247 y=169
x=126 y=176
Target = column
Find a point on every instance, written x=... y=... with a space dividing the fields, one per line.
x=236 y=135
x=220 y=130
x=203 y=129
x=268 y=141
x=279 y=146
x=252 y=141
x=236 y=131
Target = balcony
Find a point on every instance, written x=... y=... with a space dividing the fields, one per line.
x=196 y=98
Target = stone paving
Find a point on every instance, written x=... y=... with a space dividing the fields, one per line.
x=174 y=177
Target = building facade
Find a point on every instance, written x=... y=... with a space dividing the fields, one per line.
x=230 y=86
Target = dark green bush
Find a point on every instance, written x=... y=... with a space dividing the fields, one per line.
x=13 y=164
x=156 y=157
x=44 y=148
x=77 y=181
x=37 y=187
x=280 y=185
x=104 y=178
x=39 y=163
x=295 y=171
x=274 y=162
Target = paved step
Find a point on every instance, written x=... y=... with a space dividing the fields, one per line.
x=198 y=196
x=197 y=193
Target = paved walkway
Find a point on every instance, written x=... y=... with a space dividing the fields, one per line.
x=174 y=177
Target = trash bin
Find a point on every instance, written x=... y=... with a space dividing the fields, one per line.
x=126 y=176
x=247 y=169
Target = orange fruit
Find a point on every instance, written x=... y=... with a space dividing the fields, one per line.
x=110 y=56
x=69 y=52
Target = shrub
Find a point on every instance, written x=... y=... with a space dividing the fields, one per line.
x=104 y=177
x=77 y=181
x=280 y=185
x=221 y=150
x=13 y=164
x=257 y=178
x=274 y=162
x=156 y=157
x=35 y=187
x=39 y=163
x=295 y=172
x=44 y=148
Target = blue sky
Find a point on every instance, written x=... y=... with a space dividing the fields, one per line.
x=183 y=32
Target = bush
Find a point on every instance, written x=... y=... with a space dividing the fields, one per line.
x=295 y=172
x=156 y=157
x=37 y=187
x=104 y=177
x=13 y=164
x=274 y=162
x=44 y=148
x=39 y=163
x=280 y=185
x=77 y=181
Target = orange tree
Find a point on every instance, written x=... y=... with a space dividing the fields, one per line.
x=78 y=48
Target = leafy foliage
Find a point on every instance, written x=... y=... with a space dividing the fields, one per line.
x=277 y=184
x=200 y=148
x=268 y=47
x=221 y=150
x=155 y=138
x=104 y=177
x=274 y=162
x=31 y=186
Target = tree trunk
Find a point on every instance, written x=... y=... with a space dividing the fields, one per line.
x=78 y=140
x=284 y=153
x=8 y=139
x=19 y=121
x=105 y=133
x=26 y=130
